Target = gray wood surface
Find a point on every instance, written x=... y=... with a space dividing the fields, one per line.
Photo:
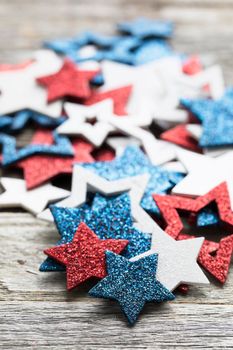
x=36 y=312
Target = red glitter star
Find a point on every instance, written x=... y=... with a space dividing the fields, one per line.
x=192 y=65
x=69 y=81
x=42 y=168
x=217 y=265
x=179 y=135
x=84 y=257
x=120 y=97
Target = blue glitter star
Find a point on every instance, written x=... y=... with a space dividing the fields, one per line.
x=62 y=146
x=5 y=122
x=143 y=28
x=152 y=50
x=134 y=162
x=124 y=50
x=207 y=217
x=20 y=120
x=216 y=117
x=111 y=221
x=132 y=284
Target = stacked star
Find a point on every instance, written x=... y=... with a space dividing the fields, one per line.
x=144 y=133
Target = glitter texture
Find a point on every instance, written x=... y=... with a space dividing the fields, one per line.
x=216 y=117
x=143 y=28
x=120 y=97
x=70 y=81
x=111 y=221
x=134 y=162
x=61 y=146
x=124 y=50
x=132 y=284
x=180 y=136
x=42 y=168
x=84 y=257
x=169 y=205
x=152 y=50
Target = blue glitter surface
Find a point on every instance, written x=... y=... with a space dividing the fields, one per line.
x=152 y=50
x=143 y=28
x=216 y=117
x=124 y=51
x=132 y=284
x=5 y=122
x=20 y=120
x=62 y=146
x=134 y=162
x=111 y=221
x=207 y=217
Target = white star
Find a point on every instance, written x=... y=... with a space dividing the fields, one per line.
x=101 y=113
x=158 y=151
x=84 y=181
x=19 y=89
x=204 y=173
x=17 y=195
x=177 y=260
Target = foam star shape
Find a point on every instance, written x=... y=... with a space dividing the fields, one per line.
x=144 y=27
x=216 y=117
x=177 y=259
x=204 y=173
x=38 y=169
x=84 y=180
x=69 y=81
x=120 y=97
x=84 y=257
x=80 y=117
x=20 y=91
x=132 y=284
x=169 y=206
x=22 y=118
x=61 y=146
x=181 y=137
x=108 y=218
x=160 y=180
x=34 y=201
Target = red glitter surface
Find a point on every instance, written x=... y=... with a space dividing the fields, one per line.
x=120 y=97
x=84 y=257
x=11 y=67
x=179 y=135
x=69 y=81
x=42 y=168
x=217 y=265
x=192 y=65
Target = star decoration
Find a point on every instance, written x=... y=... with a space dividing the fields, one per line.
x=42 y=168
x=123 y=50
x=131 y=284
x=160 y=180
x=34 y=201
x=84 y=257
x=84 y=180
x=143 y=28
x=169 y=205
x=108 y=218
x=204 y=173
x=69 y=81
x=181 y=137
x=22 y=118
x=192 y=65
x=119 y=96
x=216 y=117
x=61 y=146
x=20 y=91
x=152 y=50
x=80 y=119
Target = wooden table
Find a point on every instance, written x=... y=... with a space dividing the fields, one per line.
x=36 y=311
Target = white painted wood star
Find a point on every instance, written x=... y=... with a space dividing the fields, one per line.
x=84 y=181
x=204 y=173
x=19 y=89
x=93 y=122
x=34 y=201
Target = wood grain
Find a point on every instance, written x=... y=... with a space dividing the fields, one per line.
x=36 y=311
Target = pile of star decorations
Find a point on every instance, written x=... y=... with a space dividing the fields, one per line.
x=146 y=135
